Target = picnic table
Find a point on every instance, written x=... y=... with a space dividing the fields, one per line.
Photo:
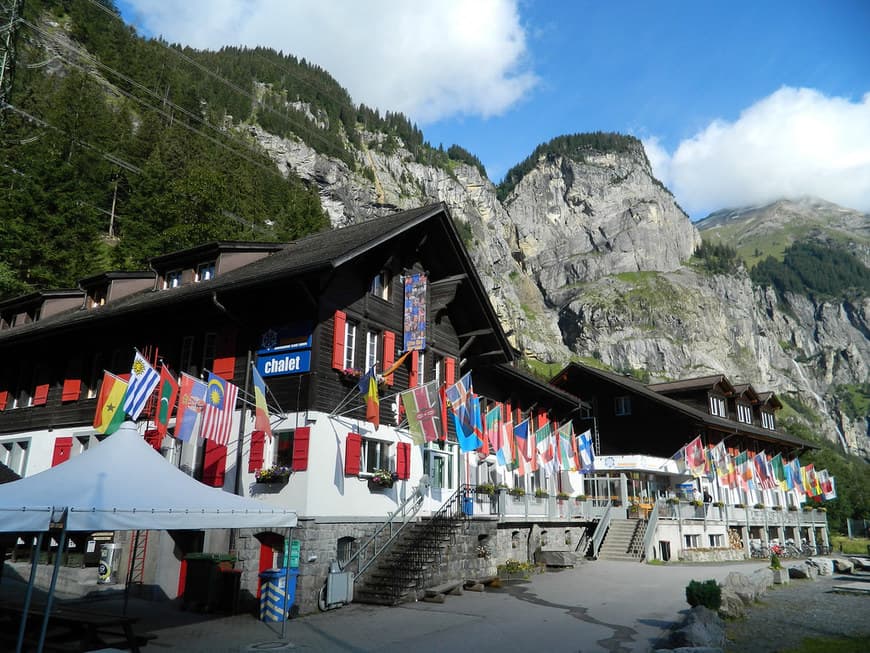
x=70 y=628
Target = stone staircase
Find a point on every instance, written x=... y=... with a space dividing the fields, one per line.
x=402 y=571
x=624 y=540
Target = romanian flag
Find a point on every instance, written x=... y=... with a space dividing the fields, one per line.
x=373 y=402
x=168 y=393
x=110 y=410
x=261 y=416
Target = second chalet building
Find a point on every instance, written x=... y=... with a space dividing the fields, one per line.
x=313 y=316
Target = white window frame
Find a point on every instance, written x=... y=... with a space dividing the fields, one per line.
x=691 y=540
x=372 y=346
x=622 y=406
x=421 y=367
x=374 y=454
x=717 y=406
x=716 y=540
x=172 y=279
x=768 y=420
x=14 y=454
x=744 y=413
x=349 y=345
x=380 y=286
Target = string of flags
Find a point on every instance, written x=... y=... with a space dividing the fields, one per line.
x=750 y=471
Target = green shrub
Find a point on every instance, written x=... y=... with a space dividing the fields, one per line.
x=706 y=593
x=774 y=561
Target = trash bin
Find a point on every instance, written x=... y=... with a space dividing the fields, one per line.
x=229 y=584
x=467 y=506
x=110 y=559
x=203 y=582
x=272 y=603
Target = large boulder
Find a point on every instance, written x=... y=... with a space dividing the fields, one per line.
x=702 y=628
x=802 y=570
x=843 y=566
x=861 y=564
x=762 y=579
x=824 y=566
x=740 y=586
x=732 y=606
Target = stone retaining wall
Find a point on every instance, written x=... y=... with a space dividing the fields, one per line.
x=712 y=555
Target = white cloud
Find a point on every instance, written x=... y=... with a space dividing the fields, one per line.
x=429 y=60
x=793 y=143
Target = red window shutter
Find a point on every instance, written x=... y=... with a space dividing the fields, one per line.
x=352 y=454
x=338 y=324
x=153 y=437
x=224 y=364
x=403 y=460
x=40 y=395
x=542 y=417
x=415 y=366
x=301 y=438
x=389 y=353
x=214 y=464
x=62 y=451
x=258 y=441
x=449 y=371
x=72 y=388
x=4 y=399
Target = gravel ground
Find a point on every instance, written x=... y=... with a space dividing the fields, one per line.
x=803 y=608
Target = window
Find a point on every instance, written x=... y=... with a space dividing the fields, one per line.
x=371 y=350
x=97 y=298
x=421 y=366
x=204 y=271
x=344 y=549
x=172 y=279
x=14 y=455
x=438 y=465
x=284 y=457
x=209 y=346
x=185 y=360
x=622 y=406
x=744 y=413
x=767 y=420
x=716 y=540
x=692 y=541
x=349 y=344
x=717 y=406
x=375 y=454
x=381 y=286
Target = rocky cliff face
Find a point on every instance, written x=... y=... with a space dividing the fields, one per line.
x=588 y=259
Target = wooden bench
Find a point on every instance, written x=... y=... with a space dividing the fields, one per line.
x=437 y=594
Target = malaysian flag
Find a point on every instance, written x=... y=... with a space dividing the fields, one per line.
x=217 y=416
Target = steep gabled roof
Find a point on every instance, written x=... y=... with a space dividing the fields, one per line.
x=699 y=383
x=712 y=421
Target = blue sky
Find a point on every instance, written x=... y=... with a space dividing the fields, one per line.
x=737 y=102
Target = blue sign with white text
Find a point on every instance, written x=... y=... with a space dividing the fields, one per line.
x=285 y=362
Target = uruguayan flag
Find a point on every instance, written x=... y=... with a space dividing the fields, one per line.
x=143 y=380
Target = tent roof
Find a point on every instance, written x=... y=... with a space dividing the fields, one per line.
x=124 y=484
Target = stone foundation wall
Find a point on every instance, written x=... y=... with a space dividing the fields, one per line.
x=519 y=541
x=711 y=555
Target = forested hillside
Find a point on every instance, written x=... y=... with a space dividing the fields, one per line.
x=117 y=148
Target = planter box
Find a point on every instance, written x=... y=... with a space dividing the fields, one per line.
x=780 y=576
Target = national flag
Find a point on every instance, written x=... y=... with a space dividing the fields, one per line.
x=422 y=410
x=220 y=404
x=829 y=488
x=190 y=405
x=507 y=450
x=763 y=473
x=493 y=433
x=110 y=413
x=744 y=471
x=587 y=453
x=797 y=476
x=476 y=418
x=566 y=458
x=465 y=436
x=373 y=402
x=143 y=380
x=460 y=392
x=168 y=393
x=262 y=421
x=778 y=471
x=789 y=477
x=442 y=397
x=544 y=446
x=521 y=437
x=693 y=453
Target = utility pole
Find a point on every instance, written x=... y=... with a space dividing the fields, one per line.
x=10 y=12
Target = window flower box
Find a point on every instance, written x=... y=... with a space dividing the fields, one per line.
x=277 y=474
x=517 y=492
x=382 y=479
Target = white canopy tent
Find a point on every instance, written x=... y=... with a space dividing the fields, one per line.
x=124 y=484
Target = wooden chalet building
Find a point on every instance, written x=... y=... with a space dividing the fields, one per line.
x=312 y=315
x=641 y=429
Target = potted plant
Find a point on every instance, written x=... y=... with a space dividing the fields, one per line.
x=697 y=503
x=484 y=488
x=383 y=478
x=822 y=509
x=541 y=494
x=792 y=508
x=777 y=508
x=501 y=487
x=759 y=506
x=807 y=508
x=517 y=492
x=274 y=474
x=674 y=501
x=580 y=498
x=739 y=505
x=563 y=496
x=719 y=504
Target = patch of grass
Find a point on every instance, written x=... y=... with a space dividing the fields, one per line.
x=844 y=544
x=827 y=644
x=540 y=369
x=854 y=399
x=656 y=563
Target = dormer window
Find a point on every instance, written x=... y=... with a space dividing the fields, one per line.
x=97 y=298
x=744 y=413
x=717 y=406
x=380 y=287
x=204 y=271
x=767 y=420
x=622 y=406
x=172 y=279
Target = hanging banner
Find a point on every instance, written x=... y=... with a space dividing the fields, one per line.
x=415 y=312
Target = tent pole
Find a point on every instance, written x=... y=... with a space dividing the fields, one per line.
x=130 y=571
x=34 y=560
x=286 y=562
x=50 y=598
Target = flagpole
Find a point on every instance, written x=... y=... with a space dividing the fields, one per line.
x=241 y=436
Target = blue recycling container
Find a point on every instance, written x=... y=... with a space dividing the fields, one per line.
x=272 y=605
x=467 y=506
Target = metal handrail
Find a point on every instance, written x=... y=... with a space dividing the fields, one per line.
x=601 y=529
x=651 y=526
x=400 y=517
